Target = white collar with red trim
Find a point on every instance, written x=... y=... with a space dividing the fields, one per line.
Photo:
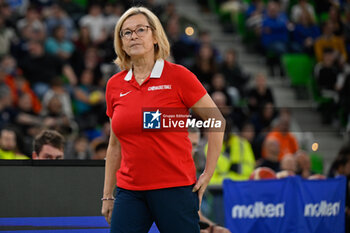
x=156 y=71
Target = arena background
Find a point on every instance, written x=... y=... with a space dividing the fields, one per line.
x=29 y=186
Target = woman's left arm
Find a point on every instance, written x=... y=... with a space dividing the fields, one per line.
x=206 y=108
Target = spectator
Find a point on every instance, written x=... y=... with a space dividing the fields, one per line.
x=103 y=136
x=347 y=29
x=87 y=98
x=7 y=112
x=90 y=60
x=248 y=132
x=219 y=84
x=236 y=161
x=84 y=41
x=58 y=17
x=272 y=150
x=303 y=164
x=58 y=44
x=169 y=12
x=19 y=7
x=27 y=119
x=48 y=144
x=254 y=15
x=303 y=9
x=233 y=116
x=74 y=10
x=13 y=77
x=204 y=38
x=19 y=85
x=80 y=149
x=40 y=68
x=328 y=40
x=263 y=118
x=57 y=89
x=100 y=151
x=327 y=74
x=259 y=94
x=275 y=36
x=341 y=166
x=8 y=144
x=95 y=21
x=287 y=141
x=182 y=46
x=343 y=89
x=33 y=22
x=7 y=38
x=304 y=35
x=112 y=15
x=9 y=15
x=327 y=70
x=55 y=118
x=335 y=18
x=323 y=6
x=233 y=72
x=205 y=65
x=289 y=164
x=231 y=6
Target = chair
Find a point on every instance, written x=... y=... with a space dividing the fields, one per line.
x=316 y=163
x=299 y=68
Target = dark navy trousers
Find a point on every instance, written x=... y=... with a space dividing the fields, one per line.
x=174 y=210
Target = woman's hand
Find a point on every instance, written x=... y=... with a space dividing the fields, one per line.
x=107 y=209
x=201 y=185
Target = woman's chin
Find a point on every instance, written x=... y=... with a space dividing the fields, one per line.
x=136 y=54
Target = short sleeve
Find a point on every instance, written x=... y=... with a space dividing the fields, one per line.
x=109 y=100
x=189 y=88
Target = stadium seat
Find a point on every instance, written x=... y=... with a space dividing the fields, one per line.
x=316 y=163
x=299 y=68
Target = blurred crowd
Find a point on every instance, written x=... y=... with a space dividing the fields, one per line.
x=56 y=57
x=319 y=29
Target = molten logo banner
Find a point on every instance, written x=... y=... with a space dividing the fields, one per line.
x=285 y=205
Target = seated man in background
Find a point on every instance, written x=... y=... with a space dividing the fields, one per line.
x=289 y=164
x=303 y=164
x=49 y=144
x=287 y=141
x=272 y=149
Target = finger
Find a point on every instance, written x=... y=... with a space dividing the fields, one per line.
x=109 y=216
x=106 y=217
x=197 y=185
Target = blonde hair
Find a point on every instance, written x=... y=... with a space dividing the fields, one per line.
x=161 y=50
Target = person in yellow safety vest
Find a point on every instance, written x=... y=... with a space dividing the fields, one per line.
x=8 y=145
x=235 y=162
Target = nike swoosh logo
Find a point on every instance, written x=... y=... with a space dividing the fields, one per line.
x=123 y=94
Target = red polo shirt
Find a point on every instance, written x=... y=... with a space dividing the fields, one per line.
x=152 y=159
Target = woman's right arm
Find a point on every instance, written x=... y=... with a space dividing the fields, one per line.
x=113 y=159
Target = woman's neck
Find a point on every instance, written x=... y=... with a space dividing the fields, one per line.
x=143 y=65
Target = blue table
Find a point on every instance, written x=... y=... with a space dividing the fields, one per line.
x=93 y=224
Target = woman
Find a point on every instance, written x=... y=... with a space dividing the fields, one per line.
x=156 y=177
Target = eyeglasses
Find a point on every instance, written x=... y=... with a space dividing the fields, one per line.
x=140 y=31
